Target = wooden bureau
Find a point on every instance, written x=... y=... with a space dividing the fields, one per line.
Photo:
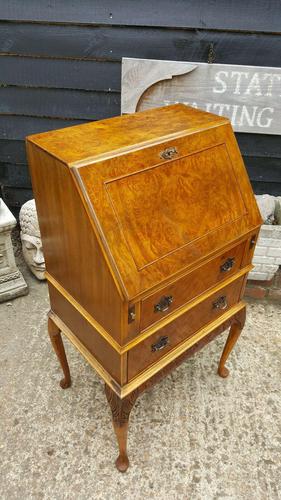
x=149 y=224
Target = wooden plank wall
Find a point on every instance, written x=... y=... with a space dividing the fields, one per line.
x=60 y=65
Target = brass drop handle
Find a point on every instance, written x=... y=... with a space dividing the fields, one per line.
x=220 y=303
x=164 y=304
x=162 y=342
x=227 y=265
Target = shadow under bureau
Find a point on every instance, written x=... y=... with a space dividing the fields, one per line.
x=149 y=224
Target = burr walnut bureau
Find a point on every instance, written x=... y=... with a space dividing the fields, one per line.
x=149 y=224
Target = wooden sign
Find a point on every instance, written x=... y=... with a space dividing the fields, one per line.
x=249 y=96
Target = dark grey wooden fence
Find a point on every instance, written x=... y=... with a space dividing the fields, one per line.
x=60 y=64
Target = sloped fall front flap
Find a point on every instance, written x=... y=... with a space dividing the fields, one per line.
x=156 y=217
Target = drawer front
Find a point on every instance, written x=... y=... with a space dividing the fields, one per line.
x=157 y=345
x=162 y=303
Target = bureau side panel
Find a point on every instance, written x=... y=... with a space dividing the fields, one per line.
x=86 y=333
x=72 y=253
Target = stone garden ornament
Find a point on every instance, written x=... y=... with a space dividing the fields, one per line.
x=12 y=283
x=31 y=239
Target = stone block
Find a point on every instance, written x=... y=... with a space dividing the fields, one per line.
x=265 y=242
x=258 y=267
x=274 y=252
x=258 y=276
x=276 y=232
x=261 y=250
x=266 y=231
x=275 y=243
x=259 y=259
x=263 y=273
x=270 y=268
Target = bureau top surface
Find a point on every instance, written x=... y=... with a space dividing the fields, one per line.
x=94 y=139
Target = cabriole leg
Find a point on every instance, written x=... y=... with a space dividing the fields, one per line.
x=57 y=343
x=121 y=409
x=235 y=331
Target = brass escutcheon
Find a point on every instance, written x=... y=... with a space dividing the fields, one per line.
x=169 y=153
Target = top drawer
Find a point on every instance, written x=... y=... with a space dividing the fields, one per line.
x=163 y=302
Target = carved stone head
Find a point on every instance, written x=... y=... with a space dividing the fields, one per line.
x=31 y=239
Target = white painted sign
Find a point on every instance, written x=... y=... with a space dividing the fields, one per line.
x=249 y=96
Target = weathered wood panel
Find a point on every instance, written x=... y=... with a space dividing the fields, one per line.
x=15 y=175
x=58 y=73
x=15 y=197
x=272 y=188
x=59 y=103
x=18 y=127
x=212 y=14
x=88 y=40
x=12 y=151
x=263 y=170
x=248 y=95
x=259 y=145
x=115 y=42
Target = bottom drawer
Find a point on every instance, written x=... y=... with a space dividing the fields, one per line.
x=157 y=345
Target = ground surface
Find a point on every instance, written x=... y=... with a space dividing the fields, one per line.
x=194 y=436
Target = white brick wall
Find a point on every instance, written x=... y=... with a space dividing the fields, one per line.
x=267 y=257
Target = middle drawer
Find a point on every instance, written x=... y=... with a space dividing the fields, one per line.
x=157 y=306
